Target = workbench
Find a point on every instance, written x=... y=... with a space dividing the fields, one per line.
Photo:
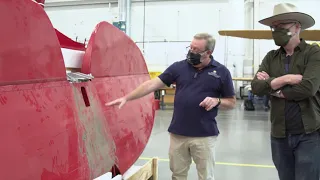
x=166 y=97
x=242 y=78
x=241 y=88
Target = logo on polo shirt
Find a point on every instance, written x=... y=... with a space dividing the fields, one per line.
x=214 y=73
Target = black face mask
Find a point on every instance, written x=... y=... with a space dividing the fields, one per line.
x=282 y=36
x=193 y=58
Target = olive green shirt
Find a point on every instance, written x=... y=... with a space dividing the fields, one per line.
x=304 y=61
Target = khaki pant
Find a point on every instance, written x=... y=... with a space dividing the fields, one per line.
x=200 y=149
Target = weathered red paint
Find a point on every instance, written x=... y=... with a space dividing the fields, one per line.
x=48 y=129
x=29 y=50
x=108 y=44
x=118 y=67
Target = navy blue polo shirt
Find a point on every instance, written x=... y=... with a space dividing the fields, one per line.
x=192 y=87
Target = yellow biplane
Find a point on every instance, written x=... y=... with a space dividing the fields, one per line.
x=308 y=35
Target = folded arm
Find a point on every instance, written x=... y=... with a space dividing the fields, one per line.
x=310 y=82
x=279 y=82
x=262 y=87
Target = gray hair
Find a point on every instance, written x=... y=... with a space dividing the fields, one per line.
x=211 y=42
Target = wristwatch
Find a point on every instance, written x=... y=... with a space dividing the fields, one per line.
x=219 y=102
x=277 y=93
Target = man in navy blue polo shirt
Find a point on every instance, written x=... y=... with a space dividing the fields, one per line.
x=203 y=86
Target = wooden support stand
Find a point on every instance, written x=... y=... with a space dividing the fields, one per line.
x=148 y=171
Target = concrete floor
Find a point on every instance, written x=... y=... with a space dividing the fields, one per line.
x=243 y=152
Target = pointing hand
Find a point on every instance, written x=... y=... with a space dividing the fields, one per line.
x=120 y=101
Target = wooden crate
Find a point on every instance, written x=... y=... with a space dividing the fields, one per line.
x=166 y=100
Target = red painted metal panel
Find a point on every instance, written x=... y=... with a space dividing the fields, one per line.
x=114 y=53
x=49 y=133
x=110 y=52
x=130 y=126
x=53 y=129
x=98 y=146
x=27 y=36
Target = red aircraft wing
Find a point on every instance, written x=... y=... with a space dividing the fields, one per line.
x=56 y=129
x=119 y=67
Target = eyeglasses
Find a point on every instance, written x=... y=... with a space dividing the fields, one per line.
x=281 y=25
x=189 y=48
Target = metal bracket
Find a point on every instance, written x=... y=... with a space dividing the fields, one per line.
x=78 y=77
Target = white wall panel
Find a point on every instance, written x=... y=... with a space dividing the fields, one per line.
x=167 y=21
x=174 y=21
x=178 y=21
x=80 y=21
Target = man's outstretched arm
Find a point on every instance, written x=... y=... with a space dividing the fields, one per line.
x=142 y=90
x=145 y=88
x=166 y=78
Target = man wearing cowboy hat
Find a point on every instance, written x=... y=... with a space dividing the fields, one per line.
x=291 y=74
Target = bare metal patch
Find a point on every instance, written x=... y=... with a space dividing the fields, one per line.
x=92 y=132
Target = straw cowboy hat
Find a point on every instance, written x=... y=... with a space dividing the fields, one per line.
x=287 y=11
